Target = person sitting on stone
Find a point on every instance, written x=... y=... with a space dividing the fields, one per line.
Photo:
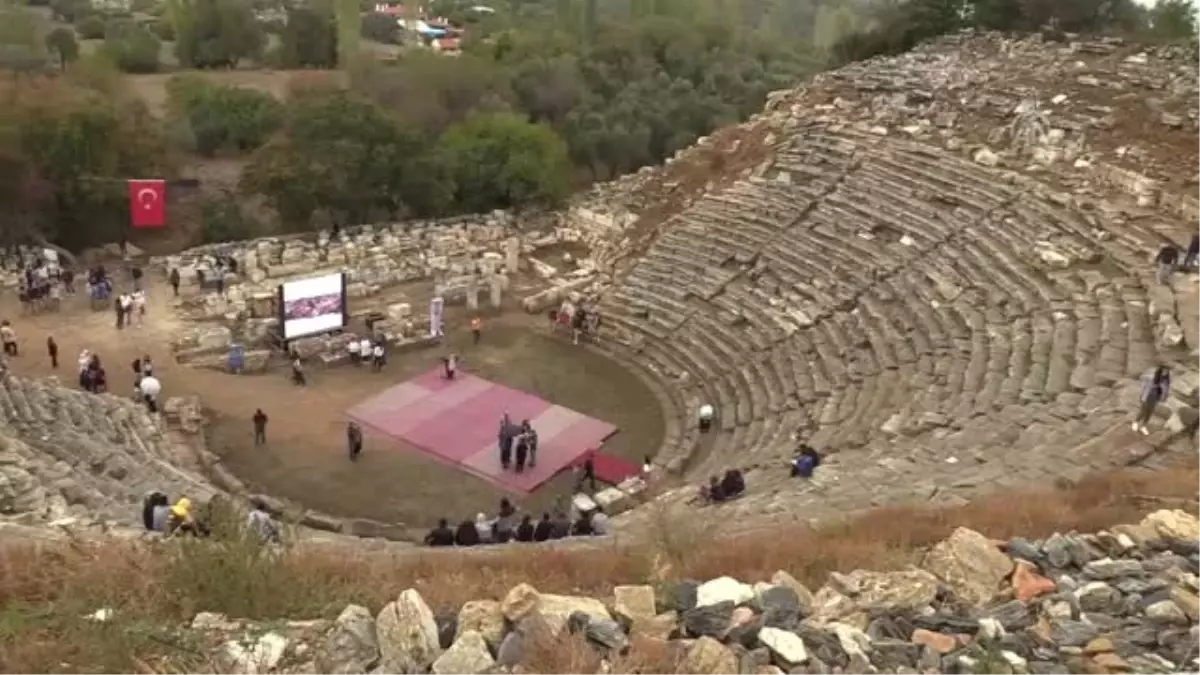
x=525 y=529
x=502 y=528
x=1193 y=252
x=561 y=526
x=155 y=510
x=599 y=522
x=582 y=526
x=260 y=524
x=706 y=415
x=466 y=535
x=733 y=484
x=714 y=493
x=1166 y=259
x=805 y=462
x=483 y=525
x=544 y=529
x=180 y=520
x=441 y=535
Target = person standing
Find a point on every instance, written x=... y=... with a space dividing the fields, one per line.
x=531 y=441
x=52 y=351
x=356 y=356
x=476 y=329
x=260 y=427
x=587 y=474
x=1155 y=390
x=378 y=356
x=173 y=278
x=354 y=440
x=297 y=371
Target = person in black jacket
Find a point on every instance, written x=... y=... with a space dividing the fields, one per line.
x=466 y=535
x=525 y=529
x=1166 y=259
x=544 y=529
x=441 y=535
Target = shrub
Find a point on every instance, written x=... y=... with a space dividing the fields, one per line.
x=132 y=47
x=90 y=27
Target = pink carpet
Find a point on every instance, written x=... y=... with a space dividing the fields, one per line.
x=457 y=422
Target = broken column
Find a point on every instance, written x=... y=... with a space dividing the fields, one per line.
x=512 y=254
x=473 y=293
x=497 y=289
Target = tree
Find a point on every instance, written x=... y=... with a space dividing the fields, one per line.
x=62 y=42
x=309 y=38
x=344 y=156
x=22 y=40
x=501 y=160
x=70 y=11
x=381 y=28
x=223 y=117
x=91 y=27
x=132 y=46
x=1173 y=20
x=215 y=33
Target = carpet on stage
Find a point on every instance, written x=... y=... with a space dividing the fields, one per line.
x=457 y=422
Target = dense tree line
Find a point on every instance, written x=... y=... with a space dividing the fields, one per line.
x=547 y=94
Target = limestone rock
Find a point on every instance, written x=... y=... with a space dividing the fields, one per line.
x=634 y=604
x=407 y=632
x=970 y=564
x=707 y=655
x=908 y=589
x=484 y=617
x=252 y=656
x=1175 y=525
x=351 y=646
x=468 y=654
x=723 y=589
x=785 y=646
x=519 y=602
x=556 y=609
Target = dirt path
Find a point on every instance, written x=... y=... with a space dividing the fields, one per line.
x=305 y=457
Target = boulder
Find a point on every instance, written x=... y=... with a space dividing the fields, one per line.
x=1098 y=596
x=970 y=564
x=468 y=654
x=781 y=578
x=351 y=645
x=407 y=633
x=634 y=604
x=252 y=656
x=484 y=617
x=711 y=620
x=887 y=591
x=938 y=642
x=556 y=609
x=723 y=589
x=1027 y=584
x=786 y=647
x=780 y=607
x=519 y=602
x=607 y=633
x=707 y=655
x=1176 y=525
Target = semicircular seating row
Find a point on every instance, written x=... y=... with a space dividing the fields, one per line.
x=894 y=305
x=82 y=455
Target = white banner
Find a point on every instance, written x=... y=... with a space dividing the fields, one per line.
x=435 y=317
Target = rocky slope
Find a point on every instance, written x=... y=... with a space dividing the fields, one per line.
x=1114 y=601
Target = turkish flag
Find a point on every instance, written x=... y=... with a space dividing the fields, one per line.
x=148 y=202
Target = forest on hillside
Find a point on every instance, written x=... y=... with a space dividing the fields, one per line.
x=546 y=95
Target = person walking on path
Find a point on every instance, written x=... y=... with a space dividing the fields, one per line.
x=52 y=350
x=476 y=329
x=173 y=278
x=260 y=427
x=1166 y=259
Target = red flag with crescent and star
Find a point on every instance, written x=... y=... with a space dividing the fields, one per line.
x=148 y=202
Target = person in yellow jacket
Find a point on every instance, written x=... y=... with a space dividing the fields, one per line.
x=181 y=519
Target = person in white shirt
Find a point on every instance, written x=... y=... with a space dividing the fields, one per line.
x=8 y=335
x=377 y=356
x=355 y=350
x=139 y=305
x=364 y=348
x=150 y=388
x=706 y=417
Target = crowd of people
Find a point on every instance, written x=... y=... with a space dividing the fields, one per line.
x=43 y=282
x=523 y=439
x=508 y=526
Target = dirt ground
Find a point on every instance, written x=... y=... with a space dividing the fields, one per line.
x=305 y=457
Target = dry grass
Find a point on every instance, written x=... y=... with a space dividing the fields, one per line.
x=44 y=591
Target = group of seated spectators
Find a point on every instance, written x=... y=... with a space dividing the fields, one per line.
x=508 y=526
x=182 y=518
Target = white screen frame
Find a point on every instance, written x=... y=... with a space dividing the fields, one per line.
x=327 y=284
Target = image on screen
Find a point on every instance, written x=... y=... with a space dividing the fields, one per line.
x=313 y=306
